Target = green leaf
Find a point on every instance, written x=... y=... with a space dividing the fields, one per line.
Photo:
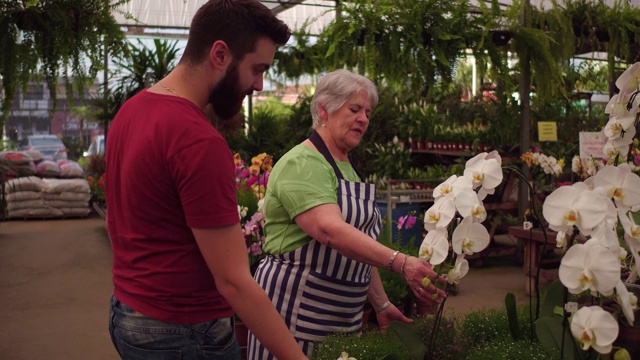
x=512 y=315
x=553 y=299
x=410 y=337
x=549 y=330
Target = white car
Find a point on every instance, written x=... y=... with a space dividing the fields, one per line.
x=50 y=146
x=96 y=146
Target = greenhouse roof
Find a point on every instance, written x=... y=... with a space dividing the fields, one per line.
x=177 y=14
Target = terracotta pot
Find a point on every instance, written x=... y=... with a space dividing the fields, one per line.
x=423 y=308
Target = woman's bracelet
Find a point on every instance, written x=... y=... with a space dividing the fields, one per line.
x=383 y=306
x=404 y=261
x=393 y=257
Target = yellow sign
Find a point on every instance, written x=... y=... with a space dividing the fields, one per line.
x=547 y=131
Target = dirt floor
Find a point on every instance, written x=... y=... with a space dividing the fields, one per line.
x=55 y=284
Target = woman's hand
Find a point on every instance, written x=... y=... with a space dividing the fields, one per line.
x=413 y=274
x=389 y=314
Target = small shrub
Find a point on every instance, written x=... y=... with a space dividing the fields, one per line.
x=369 y=345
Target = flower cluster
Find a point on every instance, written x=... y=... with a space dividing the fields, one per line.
x=597 y=209
x=251 y=184
x=97 y=187
x=549 y=164
x=256 y=176
x=586 y=167
x=462 y=196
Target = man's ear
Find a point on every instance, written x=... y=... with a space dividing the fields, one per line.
x=220 y=56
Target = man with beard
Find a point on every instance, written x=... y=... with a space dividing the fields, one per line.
x=180 y=265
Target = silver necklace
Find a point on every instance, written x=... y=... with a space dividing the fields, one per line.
x=169 y=89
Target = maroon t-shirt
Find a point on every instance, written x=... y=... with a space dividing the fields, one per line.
x=168 y=170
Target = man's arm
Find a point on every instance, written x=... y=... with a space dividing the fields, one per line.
x=224 y=250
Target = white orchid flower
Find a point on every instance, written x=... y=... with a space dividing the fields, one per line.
x=345 y=356
x=440 y=214
x=444 y=188
x=606 y=236
x=561 y=240
x=589 y=266
x=435 y=246
x=629 y=82
x=469 y=237
x=468 y=204
x=594 y=327
x=574 y=205
x=631 y=235
x=617 y=147
x=627 y=301
x=617 y=127
x=460 y=269
x=620 y=184
x=485 y=170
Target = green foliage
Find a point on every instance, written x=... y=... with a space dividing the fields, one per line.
x=394 y=286
x=268 y=131
x=369 y=345
x=507 y=349
x=45 y=37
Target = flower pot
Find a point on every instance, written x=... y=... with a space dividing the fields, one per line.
x=423 y=308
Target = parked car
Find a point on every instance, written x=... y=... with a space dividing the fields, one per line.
x=50 y=146
x=96 y=147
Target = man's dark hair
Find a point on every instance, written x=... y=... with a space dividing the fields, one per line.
x=239 y=23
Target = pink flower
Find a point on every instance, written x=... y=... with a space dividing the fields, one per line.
x=407 y=221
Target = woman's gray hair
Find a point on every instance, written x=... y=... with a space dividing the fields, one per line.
x=335 y=88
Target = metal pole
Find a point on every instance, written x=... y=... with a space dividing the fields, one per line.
x=525 y=118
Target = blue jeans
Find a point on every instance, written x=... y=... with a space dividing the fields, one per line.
x=139 y=337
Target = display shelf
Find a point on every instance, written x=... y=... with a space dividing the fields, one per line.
x=443 y=152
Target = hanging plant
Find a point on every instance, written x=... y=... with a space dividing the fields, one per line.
x=55 y=38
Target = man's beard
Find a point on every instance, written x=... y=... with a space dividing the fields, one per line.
x=226 y=97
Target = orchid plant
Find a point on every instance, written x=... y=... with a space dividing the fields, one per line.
x=454 y=222
x=597 y=210
x=251 y=184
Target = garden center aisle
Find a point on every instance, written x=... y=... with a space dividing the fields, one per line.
x=55 y=282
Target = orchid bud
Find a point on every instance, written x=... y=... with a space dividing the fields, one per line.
x=426 y=282
x=622 y=354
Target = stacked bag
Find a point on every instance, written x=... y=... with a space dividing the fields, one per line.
x=45 y=188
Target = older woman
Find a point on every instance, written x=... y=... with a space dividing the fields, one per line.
x=322 y=223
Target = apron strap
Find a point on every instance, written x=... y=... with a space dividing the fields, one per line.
x=317 y=141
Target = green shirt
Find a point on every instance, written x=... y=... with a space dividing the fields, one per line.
x=302 y=179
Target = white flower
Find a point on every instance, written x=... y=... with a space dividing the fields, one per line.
x=574 y=205
x=469 y=204
x=628 y=82
x=345 y=356
x=444 y=188
x=242 y=211
x=485 y=170
x=628 y=301
x=620 y=184
x=469 y=237
x=617 y=147
x=589 y=266
x=460 y=269
x=594 y=327
x=435 y=246
x=440 y=214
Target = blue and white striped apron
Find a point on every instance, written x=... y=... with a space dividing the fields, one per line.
x=316 y=290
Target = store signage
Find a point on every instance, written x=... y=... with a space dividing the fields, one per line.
x=547 y=131
x=591 y=144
